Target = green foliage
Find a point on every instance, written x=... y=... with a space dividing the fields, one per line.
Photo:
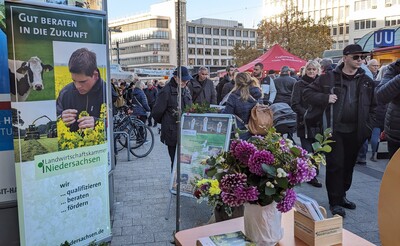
x=322 y=146
x=297 y=34
x=244 y=54
x=197 y=108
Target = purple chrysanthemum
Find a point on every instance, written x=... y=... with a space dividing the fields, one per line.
x=287 y=202
x=258 y=158
x=303 y=152
x=243 y=150
x=234 y=191
x=233 y=145
x=304 y=172
x=230 y=181
x=283 y=145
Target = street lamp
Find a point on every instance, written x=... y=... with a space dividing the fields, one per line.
x=110 y=30
x=117 y=49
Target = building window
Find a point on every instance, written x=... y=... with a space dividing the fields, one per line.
x=340 y=45
x=216 y=52
x=364 y=24
x=208 y=61
x=245 y=34
x=231 y=42
x=215 y=41
x=224 y=62
x=199 y=30
x=224 y=52
x=191 y=61
x=208 y=41
x=238 y=33
x=191 y=29
x=347 y=28
x=362 y=5
x=199 y=62
x=230 y=52
x=191 y=40
x=341 y=30
x=231 y=33
x=334 y=45
x=215 y=31
x=216 y=62
x=199 y=51
x=200 y=40
x=245 y=43
x=207 y=52
x=192 y=51
x=252 y=43
x=392 y=20
x=238 y=42
x=252 y=34
x=223 y=42
x=207 y=30
x=223 y=32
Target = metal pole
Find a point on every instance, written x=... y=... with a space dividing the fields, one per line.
x=179 y=110
x=118 y=61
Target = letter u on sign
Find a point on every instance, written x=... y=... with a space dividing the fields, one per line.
x=384 y=38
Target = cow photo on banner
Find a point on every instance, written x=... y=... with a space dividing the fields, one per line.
x=57 y=67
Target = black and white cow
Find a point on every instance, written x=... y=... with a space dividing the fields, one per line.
x=25 y=76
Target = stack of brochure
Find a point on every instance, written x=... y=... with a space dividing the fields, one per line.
x=308 y=207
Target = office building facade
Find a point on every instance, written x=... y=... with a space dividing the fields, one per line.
x=211 y=41
x=351 y=19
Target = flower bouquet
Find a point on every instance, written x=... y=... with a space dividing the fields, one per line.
x=261 y=170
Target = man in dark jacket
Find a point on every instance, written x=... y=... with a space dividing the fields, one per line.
x=348 y=95
x=84 y=93
x=164 y=110
x=266 y=83
x=284 y=86
x=202 y=88
x=388 y=91
x=228 y=77
x=151 y=94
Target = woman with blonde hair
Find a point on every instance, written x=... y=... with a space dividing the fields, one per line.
x=242 y=99
x=311 y=71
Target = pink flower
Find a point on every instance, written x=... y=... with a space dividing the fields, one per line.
x=258 y=158
x=243 y=150
x=287 y=202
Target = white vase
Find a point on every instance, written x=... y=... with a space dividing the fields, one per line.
x=263 y=224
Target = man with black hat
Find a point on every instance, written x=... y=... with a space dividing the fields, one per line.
x=164 y=110
x=346 y=94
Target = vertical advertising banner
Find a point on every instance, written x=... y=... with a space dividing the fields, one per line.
x=202 y=135
x=8 y=188
x=57 y=59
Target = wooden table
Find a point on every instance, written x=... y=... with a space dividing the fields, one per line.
x=189 y=237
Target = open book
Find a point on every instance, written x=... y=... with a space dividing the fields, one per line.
x=308 y=207
x=232 y=239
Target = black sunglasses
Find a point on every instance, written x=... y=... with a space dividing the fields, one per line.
x=356 y=57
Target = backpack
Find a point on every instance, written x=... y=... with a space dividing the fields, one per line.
x=261 y=119
x=285 y=119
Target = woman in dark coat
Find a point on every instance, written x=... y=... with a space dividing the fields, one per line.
x=244 y=96
x=139 y=102
x=311 y=72
x=165 y=107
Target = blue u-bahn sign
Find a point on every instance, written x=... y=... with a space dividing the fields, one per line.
x=384 y=38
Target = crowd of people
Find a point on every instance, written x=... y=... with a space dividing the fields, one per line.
x=356 y=98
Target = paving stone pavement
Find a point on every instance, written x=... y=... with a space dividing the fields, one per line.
x=141 y=199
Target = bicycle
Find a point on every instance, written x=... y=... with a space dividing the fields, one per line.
x=141 y=137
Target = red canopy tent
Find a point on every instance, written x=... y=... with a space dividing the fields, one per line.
x=275 y=58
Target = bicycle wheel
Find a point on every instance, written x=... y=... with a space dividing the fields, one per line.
x=144 y=141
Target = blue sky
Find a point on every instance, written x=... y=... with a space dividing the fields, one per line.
x=247 y=12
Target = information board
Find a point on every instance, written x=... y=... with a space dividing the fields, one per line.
x=202 y=135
